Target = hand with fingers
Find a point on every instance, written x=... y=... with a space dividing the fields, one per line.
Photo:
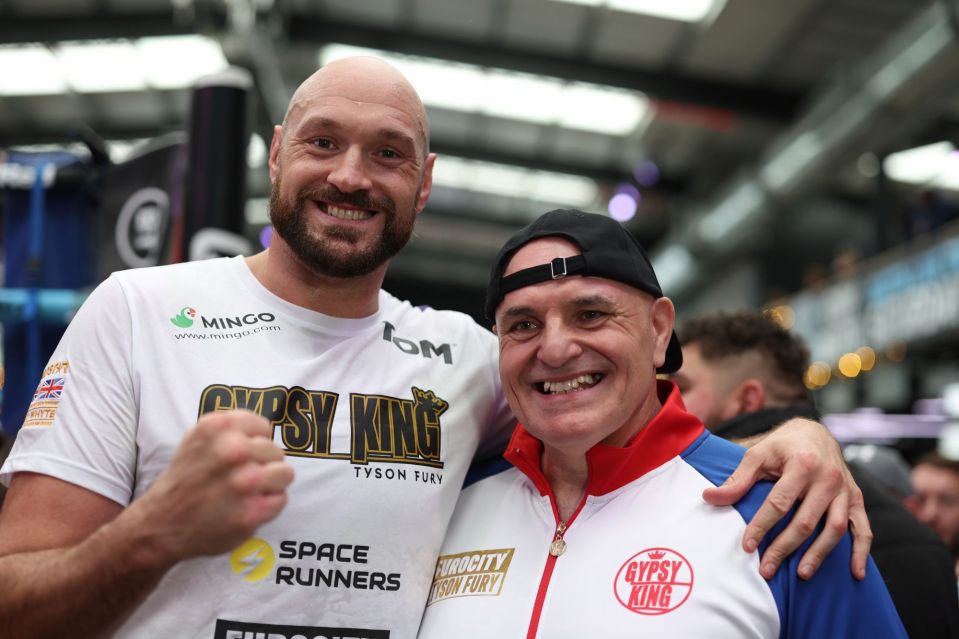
x=807 y=464
x=226 y=479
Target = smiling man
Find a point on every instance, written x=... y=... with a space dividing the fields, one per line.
x=125 y=518
x=599 y=527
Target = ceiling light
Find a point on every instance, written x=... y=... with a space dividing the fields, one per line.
x=101 y=66
x=257 y=211
x=257 y=152
x=514 y=181
x=867 y=356
x=930 y=165
x=622 y=207
x=602 y=109
x=562 y=188
x=174 y=62
x=30 y=70
x=674 y=267
x=520 y=96
x=509 y=94
x=169 y=62
x=850 y=365
x=683 y=10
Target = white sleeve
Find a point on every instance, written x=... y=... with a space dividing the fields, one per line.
x=81 y=424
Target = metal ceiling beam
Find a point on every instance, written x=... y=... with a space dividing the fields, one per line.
x=21 y=29
x=48 y=133
x=754 y=101
x=748 y=100
x=610 y=174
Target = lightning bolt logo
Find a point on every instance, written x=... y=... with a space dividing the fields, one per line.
x=253 y=559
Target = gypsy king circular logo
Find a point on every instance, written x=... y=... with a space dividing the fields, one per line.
x=654 y=581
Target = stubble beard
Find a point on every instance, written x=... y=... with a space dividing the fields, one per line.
x=317 y=250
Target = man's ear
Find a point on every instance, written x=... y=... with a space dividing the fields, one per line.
x=427 y=187
x=748 y=397
x=275 y=144
x=662 y=316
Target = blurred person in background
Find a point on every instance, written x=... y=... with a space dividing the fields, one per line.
x=935 y=480
x=742 y=374
x=887 y=466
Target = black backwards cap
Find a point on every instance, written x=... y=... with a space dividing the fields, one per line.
x=608 y=250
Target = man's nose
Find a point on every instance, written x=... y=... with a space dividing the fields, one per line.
x=927 y=510
x=348 y=172
x=558 y=345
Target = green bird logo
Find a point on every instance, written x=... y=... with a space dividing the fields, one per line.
x=185 y=318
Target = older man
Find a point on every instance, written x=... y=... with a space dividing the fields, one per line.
x=143 y=503
x=599 y=529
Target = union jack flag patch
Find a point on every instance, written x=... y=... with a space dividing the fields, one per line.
x=50 y=388
x=46 y=398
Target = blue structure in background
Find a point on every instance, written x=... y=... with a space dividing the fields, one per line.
x=49 y=262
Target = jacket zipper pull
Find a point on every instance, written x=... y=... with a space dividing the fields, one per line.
x=558 y=547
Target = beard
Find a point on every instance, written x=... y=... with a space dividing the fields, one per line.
x=316 y=249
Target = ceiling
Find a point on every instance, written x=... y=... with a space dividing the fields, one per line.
x=751 y=151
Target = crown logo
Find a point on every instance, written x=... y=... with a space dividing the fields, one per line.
x=657 y=554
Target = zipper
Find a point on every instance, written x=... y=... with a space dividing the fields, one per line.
x=556 y=548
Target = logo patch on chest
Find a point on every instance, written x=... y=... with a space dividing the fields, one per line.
x=654 y=581
x=469 y=574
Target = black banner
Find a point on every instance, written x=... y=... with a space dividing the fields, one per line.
x=141 y=209
x=226 y=629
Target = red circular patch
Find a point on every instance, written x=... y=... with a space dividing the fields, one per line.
x=654 y=581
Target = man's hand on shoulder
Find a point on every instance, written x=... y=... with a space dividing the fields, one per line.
x=806 y=462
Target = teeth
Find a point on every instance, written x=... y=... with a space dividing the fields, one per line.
x=347 y=214
x=570 y=385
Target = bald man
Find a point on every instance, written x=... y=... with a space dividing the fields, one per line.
x=154 y=496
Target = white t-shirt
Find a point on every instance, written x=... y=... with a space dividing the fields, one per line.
x=379 y=416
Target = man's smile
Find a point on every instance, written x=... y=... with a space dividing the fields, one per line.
x=341 y=213
x=570 y=385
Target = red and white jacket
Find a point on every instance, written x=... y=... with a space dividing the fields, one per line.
x=642 y=556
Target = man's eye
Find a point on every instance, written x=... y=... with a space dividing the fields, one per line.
x=389 y=154
x=522 y=326
x=592 y=315
x=323 y=143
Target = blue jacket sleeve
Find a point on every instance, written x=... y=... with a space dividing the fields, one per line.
x=831 y=604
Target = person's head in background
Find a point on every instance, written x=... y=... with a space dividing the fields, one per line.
x=935 y=480
x=739 y=363
x=887 y=466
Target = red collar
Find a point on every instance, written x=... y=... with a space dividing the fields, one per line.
x=668 y=434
